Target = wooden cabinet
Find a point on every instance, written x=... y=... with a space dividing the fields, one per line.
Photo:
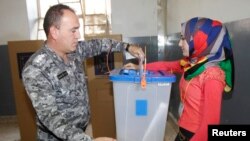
x=19 y=52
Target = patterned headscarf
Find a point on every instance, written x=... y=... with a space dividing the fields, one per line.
x=209 y=45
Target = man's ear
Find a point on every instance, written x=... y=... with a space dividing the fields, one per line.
x=53 y=32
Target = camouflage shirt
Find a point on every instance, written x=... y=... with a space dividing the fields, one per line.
x=58 y=91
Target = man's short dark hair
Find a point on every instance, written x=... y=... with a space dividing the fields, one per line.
x=53 y=16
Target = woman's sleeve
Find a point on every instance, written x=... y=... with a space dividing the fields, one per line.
x=172 y=66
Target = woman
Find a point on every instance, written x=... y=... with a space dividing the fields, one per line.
x=207 y=72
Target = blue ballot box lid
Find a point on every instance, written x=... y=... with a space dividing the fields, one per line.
x=130 y=75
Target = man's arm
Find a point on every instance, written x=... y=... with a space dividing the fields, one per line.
x=95 y=47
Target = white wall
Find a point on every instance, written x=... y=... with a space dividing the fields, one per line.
x=179 y=11
x=13 y=21
x=134 y=18
x=33 y=15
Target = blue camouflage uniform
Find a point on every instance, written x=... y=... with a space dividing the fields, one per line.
x=58 y=91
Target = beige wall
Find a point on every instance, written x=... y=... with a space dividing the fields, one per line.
x=179 y=11
x=130 y=18
x=13 y=21
x=134 y=18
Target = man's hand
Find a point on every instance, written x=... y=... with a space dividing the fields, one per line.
x=104 y=139
x=136 y=51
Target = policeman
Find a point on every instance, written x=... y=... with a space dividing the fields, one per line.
x=54 y=77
